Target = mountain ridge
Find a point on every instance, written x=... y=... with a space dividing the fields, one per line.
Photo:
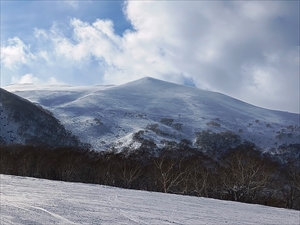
x=159 y=111
x=23 y=122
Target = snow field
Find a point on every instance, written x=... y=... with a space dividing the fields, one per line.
x=36 y=201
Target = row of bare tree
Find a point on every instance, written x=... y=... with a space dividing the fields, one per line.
x=241 y=174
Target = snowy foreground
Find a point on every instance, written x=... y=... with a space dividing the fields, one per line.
x=37 y=201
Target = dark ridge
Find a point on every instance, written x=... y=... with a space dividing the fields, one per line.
x=37 y=125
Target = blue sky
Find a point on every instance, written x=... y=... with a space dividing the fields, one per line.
x=19 y=18
x=246 y=49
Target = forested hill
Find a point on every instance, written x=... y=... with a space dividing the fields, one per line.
x=23 y=122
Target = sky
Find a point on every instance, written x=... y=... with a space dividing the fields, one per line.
x=245 y=49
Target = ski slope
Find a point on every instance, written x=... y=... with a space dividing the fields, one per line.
x=106 y=116
x=36 y=201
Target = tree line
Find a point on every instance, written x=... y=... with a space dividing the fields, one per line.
x=241 y=174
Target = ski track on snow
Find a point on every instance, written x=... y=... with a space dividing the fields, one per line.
x=38 y=201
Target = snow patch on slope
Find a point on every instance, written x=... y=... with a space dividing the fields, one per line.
x=110 y=115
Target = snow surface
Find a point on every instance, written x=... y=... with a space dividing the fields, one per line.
x=37 y=201
x=109 y=115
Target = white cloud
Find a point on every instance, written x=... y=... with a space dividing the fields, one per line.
x=26 y=79
x=72 y=4
x=16 y=53
x=30 y=79
x=239 y=48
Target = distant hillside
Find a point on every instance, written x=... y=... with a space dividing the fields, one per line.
x=23 y=122
x=161 y=114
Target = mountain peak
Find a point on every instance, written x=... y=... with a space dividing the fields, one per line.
x=152 y=109
x=147 y=80
x=150 y=84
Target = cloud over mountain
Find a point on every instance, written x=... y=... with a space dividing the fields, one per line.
x=249 y=50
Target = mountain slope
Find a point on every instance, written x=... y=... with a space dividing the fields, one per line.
x=162 y=113
x=22 y=122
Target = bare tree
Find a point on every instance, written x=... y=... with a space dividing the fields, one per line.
x=69 y=167
x=244 y=176
x=198 y=178
x=6 y=162
x=129 y=171
x=291 y=190
x=170 y=172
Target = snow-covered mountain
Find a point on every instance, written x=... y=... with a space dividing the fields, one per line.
x=161 y=114
x=22 y=122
